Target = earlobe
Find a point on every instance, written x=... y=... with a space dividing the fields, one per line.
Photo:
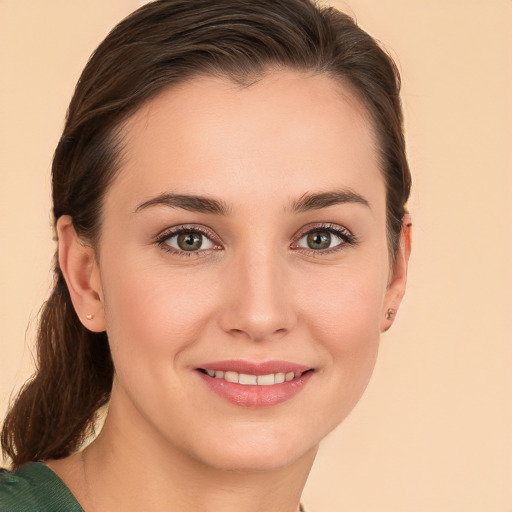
x=77 y=262
x=396 y=287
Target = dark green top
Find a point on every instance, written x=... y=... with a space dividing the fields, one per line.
x=34 y=487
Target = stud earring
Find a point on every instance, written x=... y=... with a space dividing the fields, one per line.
x=89 y=317
x=389 y=313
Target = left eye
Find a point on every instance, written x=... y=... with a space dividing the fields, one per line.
x=189 y=241
x=320 y=239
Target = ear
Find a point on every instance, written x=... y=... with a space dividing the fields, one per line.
x=396 y=287
x=77 y=261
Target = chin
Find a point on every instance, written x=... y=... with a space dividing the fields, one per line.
x=259 y=452
x=257 y=461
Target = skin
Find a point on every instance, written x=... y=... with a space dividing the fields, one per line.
x=258 y=292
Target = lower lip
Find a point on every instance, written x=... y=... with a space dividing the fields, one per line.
x=256 y=396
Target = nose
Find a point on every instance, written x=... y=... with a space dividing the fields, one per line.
x=259 y=298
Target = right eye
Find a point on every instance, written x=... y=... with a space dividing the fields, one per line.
x=185 y=241
x=189 y=241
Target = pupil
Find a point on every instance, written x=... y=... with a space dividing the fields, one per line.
x=189 y=241
x=319 y=240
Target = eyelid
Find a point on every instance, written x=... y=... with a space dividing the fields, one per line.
x=340 y=231
x=169 y=232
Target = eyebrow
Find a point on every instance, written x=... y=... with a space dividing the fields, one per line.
x=201 y=204
x=191 y=203
x=317 y=201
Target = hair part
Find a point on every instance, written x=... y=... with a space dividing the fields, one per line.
x=164 y=43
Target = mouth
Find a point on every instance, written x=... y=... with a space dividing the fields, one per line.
x=247 y=379
x=255 y=385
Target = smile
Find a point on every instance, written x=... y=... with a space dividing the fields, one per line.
x=255 y=385
x=253 y=380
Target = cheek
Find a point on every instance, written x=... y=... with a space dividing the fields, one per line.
x=154 y=311
x=345 y=304
x=344 y=320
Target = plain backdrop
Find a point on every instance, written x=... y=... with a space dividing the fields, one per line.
x=433 y=431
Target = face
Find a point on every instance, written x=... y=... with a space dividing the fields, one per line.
x=244 y=239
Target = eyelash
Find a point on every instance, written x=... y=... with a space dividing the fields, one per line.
x=162 y=238
x=347 y=237
x=339 y=231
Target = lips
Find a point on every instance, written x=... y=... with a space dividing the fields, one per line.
x=249 y=384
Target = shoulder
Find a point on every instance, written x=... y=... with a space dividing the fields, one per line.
x=35 y=488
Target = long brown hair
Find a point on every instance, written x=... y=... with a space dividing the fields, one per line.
x=164 y=43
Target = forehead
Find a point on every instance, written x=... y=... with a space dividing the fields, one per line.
x=275 y=139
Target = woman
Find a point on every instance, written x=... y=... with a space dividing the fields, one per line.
x=229 y=199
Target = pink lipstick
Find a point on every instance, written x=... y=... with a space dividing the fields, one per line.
x=250 y=384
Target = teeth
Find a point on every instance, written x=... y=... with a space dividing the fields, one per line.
x=243 y=378
x=266 y=380
x=280 y=377
x=231 y=376
x=254 y=380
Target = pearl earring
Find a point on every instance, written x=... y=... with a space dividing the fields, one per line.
x=89 y=317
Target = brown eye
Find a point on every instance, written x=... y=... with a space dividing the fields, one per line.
x=319 y=240
x=189 y=241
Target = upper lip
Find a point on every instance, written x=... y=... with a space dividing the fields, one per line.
x=255 y=368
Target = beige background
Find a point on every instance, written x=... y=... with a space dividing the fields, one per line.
x=433 y=432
